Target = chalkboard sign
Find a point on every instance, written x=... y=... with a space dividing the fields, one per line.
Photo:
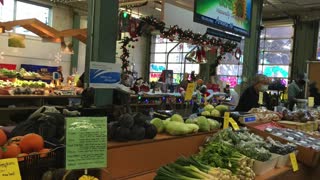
x=86 y=143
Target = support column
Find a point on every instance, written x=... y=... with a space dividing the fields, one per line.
x=305 y=46
x=251 y=47
x=101 y=41
x=75 y=43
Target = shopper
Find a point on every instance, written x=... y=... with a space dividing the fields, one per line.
x=250 y=97
x=296 y=90
x=59 y=70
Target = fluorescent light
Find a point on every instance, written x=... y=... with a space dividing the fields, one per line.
x=158 y=9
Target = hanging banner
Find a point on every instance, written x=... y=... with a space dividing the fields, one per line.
x=86 y=142
x=104 y=75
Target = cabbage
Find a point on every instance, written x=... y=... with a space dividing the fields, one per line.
x=205 y=113
x=213 y=124
x=222 y=109
x=208 y=107
x=177 y=128
x=137 y=133
x=158 y=123
x=126 y=120
x=177 y=118
x=190 y=121
x=215 y=113
x=151 y=131
x=203 y=124
x=193 y=128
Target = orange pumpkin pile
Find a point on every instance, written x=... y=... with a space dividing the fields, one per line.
x=22 y=146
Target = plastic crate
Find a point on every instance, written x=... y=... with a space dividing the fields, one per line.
x=34 y=166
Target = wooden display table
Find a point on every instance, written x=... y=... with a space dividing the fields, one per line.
x=307 y=156
x=130 y=159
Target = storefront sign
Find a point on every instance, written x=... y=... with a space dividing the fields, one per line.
x=86 y=143
x=104 y=75
x=9 y=169
x=189 y=91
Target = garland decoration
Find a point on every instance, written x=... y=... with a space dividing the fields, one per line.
x=173 y=33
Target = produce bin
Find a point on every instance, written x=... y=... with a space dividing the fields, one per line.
x=307 y=156
x=284 y=160
x=34 y=166
x=309 y=126
x=260 y=167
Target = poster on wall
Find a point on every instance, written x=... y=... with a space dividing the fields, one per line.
x=16 y=40
x=104 y=75
x=229 y=15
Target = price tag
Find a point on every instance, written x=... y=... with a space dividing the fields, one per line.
x=189 y=91
x=294 y=162
x=234 y=124
x=310 y=101
x=9 y=169
x=226 y=120
x=260 y=98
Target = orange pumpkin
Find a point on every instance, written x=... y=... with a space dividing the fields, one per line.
x=44 y=152
x=31 y=143
x=21 y=157
x=3 y=137
x=15 y=140
x=11 y=151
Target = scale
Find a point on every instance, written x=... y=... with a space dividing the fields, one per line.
x=245 y=118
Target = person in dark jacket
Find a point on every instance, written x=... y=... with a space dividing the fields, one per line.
x=250 y=97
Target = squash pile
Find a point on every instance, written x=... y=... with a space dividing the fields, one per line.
x=22 y=146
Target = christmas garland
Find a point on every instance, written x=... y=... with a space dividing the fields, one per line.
x=174 y=33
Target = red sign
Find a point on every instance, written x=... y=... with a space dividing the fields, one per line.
x=8 y=66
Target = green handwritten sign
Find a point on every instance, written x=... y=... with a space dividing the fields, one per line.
x=86 y=142
x=9 y=169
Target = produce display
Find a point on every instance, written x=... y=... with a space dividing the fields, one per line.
x=263 y=114
x=192 y=169
x=131 y=127
x=298 y=116
x=176 y=126
x=278 y=148
x=28 y=75
x=246 y=143
x=222 y=155
x=8 y=73
x=22 y=146
x=218 y=111
x=297 y=137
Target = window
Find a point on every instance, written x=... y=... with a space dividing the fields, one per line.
x=275 y=52
x=230 y=69
x=176 y=60
x=16 y=10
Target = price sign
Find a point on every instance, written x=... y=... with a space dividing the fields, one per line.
x=260 y=98
x=9 y=169
x=226 y=120
x=294 y=162
x=310 y=102
x=86 y=143
x=189 y=91
x=234 y=124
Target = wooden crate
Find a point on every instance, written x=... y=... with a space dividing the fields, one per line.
x=307 y=156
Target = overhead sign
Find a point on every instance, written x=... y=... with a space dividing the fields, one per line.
x=86 y=142
x=104 y=75
x=229 y=15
